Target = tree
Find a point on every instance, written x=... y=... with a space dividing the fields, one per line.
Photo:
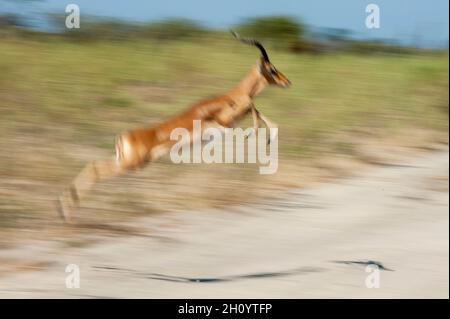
x=282 y=31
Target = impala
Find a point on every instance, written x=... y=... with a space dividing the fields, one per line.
x=135 y=148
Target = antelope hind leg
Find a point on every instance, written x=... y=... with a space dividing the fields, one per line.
x=91 y=174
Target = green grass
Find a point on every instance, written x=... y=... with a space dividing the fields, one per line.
x=91 y=85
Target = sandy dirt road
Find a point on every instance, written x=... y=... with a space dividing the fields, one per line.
x=308 y=243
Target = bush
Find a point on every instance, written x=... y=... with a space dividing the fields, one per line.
x=100 y=29
x=173 y=29
x=282 y=32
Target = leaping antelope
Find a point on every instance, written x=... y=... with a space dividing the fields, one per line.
x=136 y=148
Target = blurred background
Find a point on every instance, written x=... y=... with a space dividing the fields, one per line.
x=357 y=94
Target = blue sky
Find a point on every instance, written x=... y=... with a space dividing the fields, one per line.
x=417 y=22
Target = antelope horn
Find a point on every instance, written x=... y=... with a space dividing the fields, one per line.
x=252 y=42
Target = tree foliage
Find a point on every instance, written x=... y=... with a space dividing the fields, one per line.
x=280 y=30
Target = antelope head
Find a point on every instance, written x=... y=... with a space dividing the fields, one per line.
x=267 y=69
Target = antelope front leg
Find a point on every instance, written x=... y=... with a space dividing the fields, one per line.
x=273 y=128
x=255 y=121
